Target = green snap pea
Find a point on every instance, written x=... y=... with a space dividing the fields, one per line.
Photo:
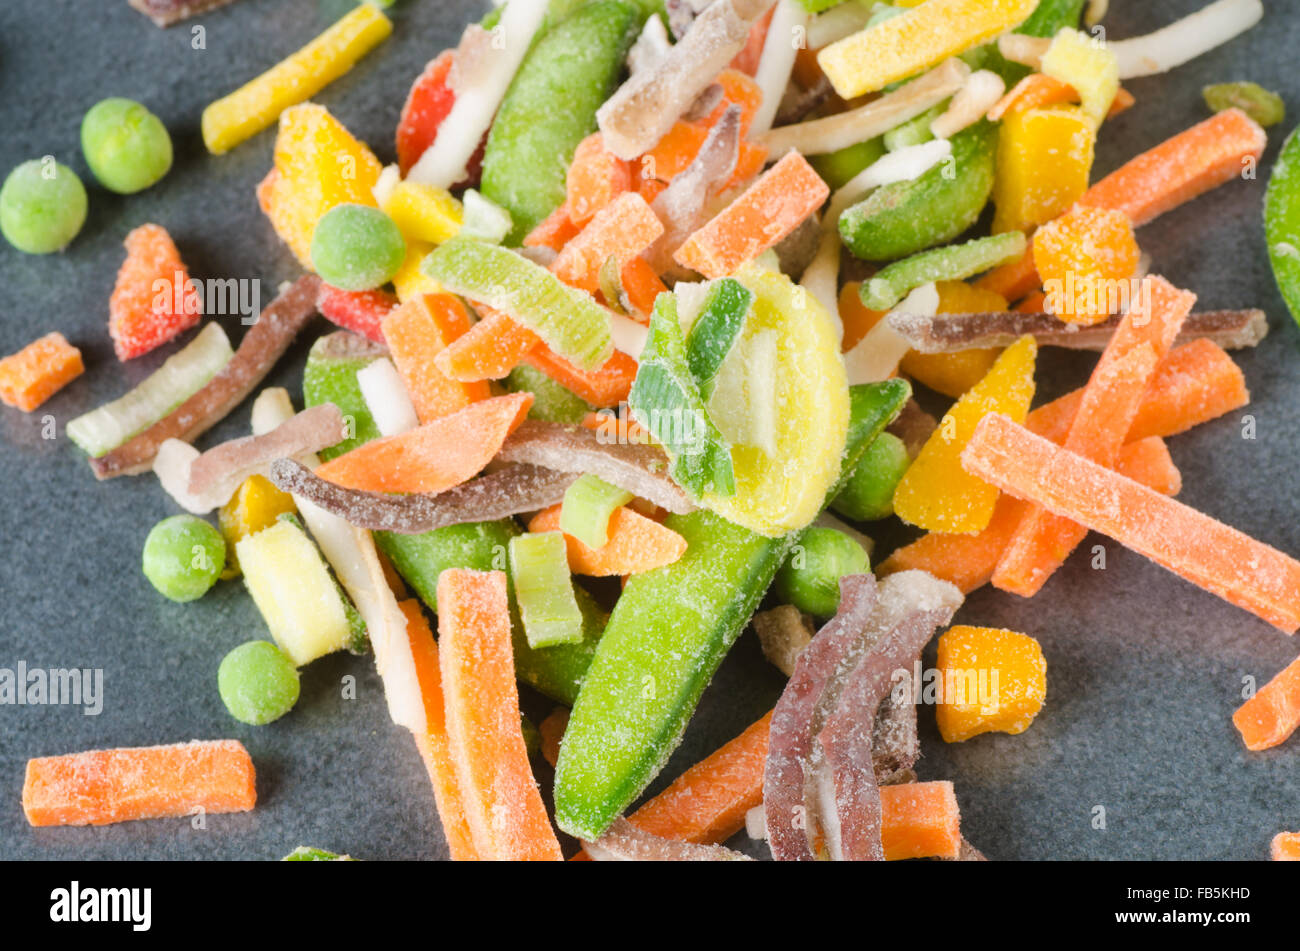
x=669 y=632
x=810 y=577
x=869 y=494
x=953 y=263
x=551 y=107
x=906 y=217
x=1282 y=223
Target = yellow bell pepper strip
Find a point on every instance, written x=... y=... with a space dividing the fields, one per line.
x=667 y=635
x=258 y=103
x=905 y=45
x=1043 y=163
x=424 y=213
x=936 y=493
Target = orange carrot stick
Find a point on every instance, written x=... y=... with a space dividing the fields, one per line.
x=416 y=333
x=596 y=178
x=1109 y=404
x=435 y=455
x=1014 y=280
x=555 y=231
x=1038 y=89
x=1272 y=715
x=636 y=544
x=150 y=782
x=39 y=370
x=432 y=742
x=766 y=212
x=920 y=820
x=622 y=229
x=1035 y=303
x=1220 y=559
x=503 y=807
x=1182 y=168
x=642 y=286
x=968 y=561
x=489 y=350
x=738 y=89
x=679 y=146
x=606 y=386
x=1285 y=847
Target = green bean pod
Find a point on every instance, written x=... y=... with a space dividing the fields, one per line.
x=952 y=263
x=669 y=632
x=906 y=217
x=1282 y=223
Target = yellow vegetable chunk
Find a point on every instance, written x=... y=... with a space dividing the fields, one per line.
x=952 y=374
x=994 y=681
x=318 y=164
x=1044 y=160
x=258 y=103
x=936 y=493
x=424 y=212
x=410 y=282
x=912 y=42
x=291 y=586
x=1078 y=60
x=256 y=504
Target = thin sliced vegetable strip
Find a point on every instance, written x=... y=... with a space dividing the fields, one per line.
x=1273 y=714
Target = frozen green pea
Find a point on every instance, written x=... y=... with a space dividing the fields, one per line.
x=356 y=247
x=869 y=494
x=810 y=577
x=183 y=557
x=42 y=206
x=1266 y=108
x=126 y=146
x=257 y=682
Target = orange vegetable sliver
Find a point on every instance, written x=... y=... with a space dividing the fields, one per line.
x=489 y=350
x=1285 y=847
x=1015 y=280
x=636 y=544
x=416 y=333
x=152 y=782
x=1037 y=90
x=554 y=232
x=1272 y=715
x=623 y=229
x=432 y=743
x=596 y=178
x=766 y=212
x=642 y=286
x=605 y=386
x=39 y=370
x=503 y=807
x=435 y=455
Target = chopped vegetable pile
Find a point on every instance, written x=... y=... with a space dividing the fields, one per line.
x=644 y=297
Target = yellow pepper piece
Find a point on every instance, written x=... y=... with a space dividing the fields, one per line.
x=936 y=493
x=424 y=212
x=952 y=374
x=1044 y=160
x=318 y=164
x=256 y=504
x=258 y=103
x=410 y=282
x=1078 y=60
x=994 y=681
x=912 y=42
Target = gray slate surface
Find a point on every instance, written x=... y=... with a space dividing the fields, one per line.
x=1144 y=670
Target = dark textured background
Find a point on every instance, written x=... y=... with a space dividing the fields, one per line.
x=1144 y=670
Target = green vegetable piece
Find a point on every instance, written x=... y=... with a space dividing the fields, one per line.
x=356 y=247
x=1282 y=223
x=183 y=557
x=954 y=263
x=552 y=401
x=306 y=853
x=258 y=683
x=588 y=504
x=551 y=106
x=810 y=577
x=882 y=12
x=567 y=319
x=1048 y=19
x=716 y=330
x=838 y=168
x=1266 y=108
x=539 y=565
x=126 y=146
x=484 y=218
x=182 y=375
x=914 y=131
x=419 y=559
x=906 y=217
x=819 y=6
x=667 y=402
x=869 y=494
x=667 y=635
x=42 y=206
x=358 y=635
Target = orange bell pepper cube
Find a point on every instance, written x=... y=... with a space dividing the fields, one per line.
x=39 y=370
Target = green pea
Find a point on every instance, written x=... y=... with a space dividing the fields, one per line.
x=183 y=557
x=257 y=682
x=126 y=146
x=356 y=247
x=810 y=577
x=42 y=206
x=869 y=494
